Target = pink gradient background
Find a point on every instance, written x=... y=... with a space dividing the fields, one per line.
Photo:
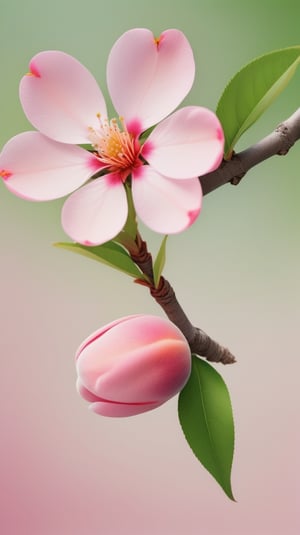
x=66 y=471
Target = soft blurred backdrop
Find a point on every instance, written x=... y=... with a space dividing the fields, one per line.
x=66 y=471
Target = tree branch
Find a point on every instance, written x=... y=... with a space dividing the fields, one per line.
x=278 y=142
x=199 y=342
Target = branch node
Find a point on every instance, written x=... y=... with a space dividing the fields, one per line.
x=236 y=180
x=143 y=258
x=287 y=141
x=240 y=171
x=234 y=169
x=208 y=348
x=164 y=293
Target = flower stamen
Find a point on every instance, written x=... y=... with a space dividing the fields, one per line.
x=117 y=149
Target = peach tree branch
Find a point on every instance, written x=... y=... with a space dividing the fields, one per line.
x=199 y=342
x=278 y=142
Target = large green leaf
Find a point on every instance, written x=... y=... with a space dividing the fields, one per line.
x=160 y=261
x=252 y=90
x=110 y=253
x=205 y=415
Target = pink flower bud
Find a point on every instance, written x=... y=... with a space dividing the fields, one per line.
x=132 y=365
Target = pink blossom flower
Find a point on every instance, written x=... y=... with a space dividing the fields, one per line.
x=147 y=79
x=132 y=365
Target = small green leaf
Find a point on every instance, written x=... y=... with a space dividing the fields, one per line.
x=206 y=419
x=87 y=146
x=159 y=262
x=252 y=90
x=146 y=134
x=126 y=240
x=110 y=253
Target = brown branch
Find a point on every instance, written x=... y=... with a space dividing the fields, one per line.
x=199 y=342
x=278 y=142
x=143 y=258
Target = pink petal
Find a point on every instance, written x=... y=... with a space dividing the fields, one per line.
x=151 y=374
x=148 y=78
x=121 y=409
x=113 y=409
x=109 y=408
x=137 y=359
x=165 y=205
x=41 y=169
x=85 y=393
x=189 y=143
x=60 y=97
x=97 y=334
x=97 y=212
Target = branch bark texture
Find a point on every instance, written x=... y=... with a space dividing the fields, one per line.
x=278 y=142
x=199 y=342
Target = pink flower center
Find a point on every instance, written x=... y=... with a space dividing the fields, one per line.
x=116 y=148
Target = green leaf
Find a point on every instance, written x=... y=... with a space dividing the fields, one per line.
x=87 y=146
x=159 y=262
x=252 y=90
x=110 y=253
x=206 y=419
x=146 y=134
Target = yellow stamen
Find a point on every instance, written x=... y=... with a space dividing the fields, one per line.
x=117 y=149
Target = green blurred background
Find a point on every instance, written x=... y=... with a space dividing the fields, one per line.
x=236 y=272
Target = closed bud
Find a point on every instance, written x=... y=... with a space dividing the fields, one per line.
x=132 y=365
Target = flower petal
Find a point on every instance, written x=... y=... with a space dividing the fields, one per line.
x=151 y=364
x=121 y=409
x=97 y=212
x=165 y=205
x=147 y=374
x=114 y=409
x=147 y=77
x=85 y=393
x=40 y=169
x=111 y=408
x=189 y=143
x=60 y=97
